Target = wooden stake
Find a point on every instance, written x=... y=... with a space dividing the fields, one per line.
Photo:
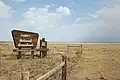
x=32 y=54
x=64 y=68
x=81 y=48
x=19 y=54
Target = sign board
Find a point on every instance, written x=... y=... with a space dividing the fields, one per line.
x=25 y=39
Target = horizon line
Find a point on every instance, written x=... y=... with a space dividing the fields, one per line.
x=72 y=41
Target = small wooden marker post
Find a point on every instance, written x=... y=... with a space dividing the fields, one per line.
x=43 y=45
x=81 y=48
x=19 y=54
x=32 y=54
x=64 y=68
x=40 y=47
x=46 y=48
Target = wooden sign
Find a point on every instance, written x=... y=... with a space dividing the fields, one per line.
x=25 y=39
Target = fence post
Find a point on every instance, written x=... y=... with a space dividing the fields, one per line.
x=46 y=48
x=43 y=46
x=32 y=54
x=0 y=61
x=40 y=47
x=81 y=48
x=64 y=68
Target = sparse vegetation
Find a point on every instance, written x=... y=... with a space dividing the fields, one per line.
x=98 y=61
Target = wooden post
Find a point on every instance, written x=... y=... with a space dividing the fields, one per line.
x=64 y=68
x=0 y=61
x=46 y=48
x=32 y=54
x=43 y=46
x=19 y=54
x=40 y=47
x=81 y=48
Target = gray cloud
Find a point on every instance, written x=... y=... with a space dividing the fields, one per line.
x=109 y=28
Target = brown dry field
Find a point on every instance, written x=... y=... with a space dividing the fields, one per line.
x=98 y=61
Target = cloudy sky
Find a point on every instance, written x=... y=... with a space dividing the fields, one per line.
x=62 y=20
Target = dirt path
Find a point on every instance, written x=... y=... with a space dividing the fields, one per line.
x=88 y=67
x=77 y=72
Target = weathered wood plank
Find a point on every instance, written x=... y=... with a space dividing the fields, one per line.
x=47 y=75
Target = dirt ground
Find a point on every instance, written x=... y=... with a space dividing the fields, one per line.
x=97 y=62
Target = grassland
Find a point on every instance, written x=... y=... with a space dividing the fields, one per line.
x=99 y=61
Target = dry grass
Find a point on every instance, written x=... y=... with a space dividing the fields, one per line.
x=98 y=61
